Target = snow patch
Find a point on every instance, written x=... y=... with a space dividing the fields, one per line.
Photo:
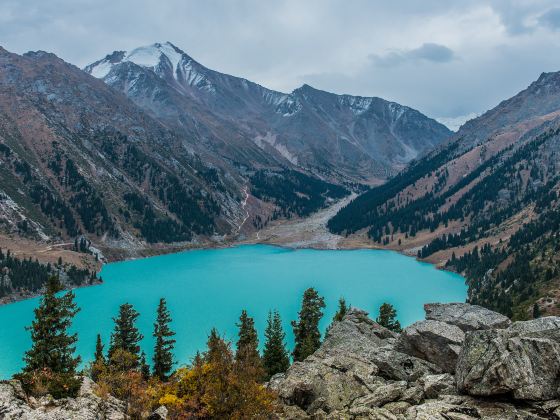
x=270 y=139
x=102 y=69
x=357 y=104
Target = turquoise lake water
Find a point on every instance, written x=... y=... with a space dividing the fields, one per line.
x=208 y=288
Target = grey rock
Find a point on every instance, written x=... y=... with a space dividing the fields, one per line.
x=436 y=385
x=397 y=407
x=382 y=394
x=87 y=406
x=413 y=395
x=465 y=316
x=355 y=359
x=520 y=361
x=434 y=341
x=159 y=414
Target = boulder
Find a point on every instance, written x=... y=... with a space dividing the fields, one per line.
x=87 y=406
x=159 y=414
x=436 y=385
x=356 y=359
x=434 y=341
x=522 y=360
x=382 y=394
x=465 y=316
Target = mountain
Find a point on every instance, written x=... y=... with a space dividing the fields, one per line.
x=486 y=204
x=82 y=163
x=340 y=137
x=77 y=157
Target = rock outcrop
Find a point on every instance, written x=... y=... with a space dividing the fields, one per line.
x=463 y=362
x=434 y=341
x=522 y=360
x=465 y=316
x=14 y=404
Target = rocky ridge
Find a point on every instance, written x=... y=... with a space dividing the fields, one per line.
x=462 y=362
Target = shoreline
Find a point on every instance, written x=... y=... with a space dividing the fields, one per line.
x=308 y=233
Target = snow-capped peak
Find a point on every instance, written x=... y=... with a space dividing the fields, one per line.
x=162 y=58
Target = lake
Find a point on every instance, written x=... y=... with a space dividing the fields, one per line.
x=208 y=288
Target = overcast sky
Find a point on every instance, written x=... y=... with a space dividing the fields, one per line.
x=446 y=58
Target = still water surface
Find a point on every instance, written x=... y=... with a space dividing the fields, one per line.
x=208 y=288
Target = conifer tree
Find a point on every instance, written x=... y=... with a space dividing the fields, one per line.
x=99 y=362
x=536 y=311
x=342 y=310
x=126 y=336
x=247 y=356
x=163 y=350
x=99 y=357
x=144 y=367
x=388 y=317
x=275 y=354
x=306 y=329
x=339 y=315
x=53 y=348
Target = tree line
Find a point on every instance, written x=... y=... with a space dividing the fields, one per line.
x=220 y=382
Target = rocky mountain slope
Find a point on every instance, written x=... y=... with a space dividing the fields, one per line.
x=463 y=362
x=494 y=186
x=79 y=157
x=337 y=136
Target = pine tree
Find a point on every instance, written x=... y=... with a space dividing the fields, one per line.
x=536 y=311
x=247 y=355
x=163 y=350
x=99 y=357
x=53 y=348
x=275 y=354
x=125 y=335
x=388 y=318
x=144 y=367
x=306 y=330
x=341 y=311
x=99 y=363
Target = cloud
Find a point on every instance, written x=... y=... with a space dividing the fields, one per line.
x=551 y=19
x=445 y=58
x=429 y=51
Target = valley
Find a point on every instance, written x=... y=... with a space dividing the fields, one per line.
x=147 y=152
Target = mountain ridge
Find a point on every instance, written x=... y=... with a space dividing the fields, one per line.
x=474 y=203
x=332 y=135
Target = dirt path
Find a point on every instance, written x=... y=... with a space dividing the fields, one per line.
x=311 y=232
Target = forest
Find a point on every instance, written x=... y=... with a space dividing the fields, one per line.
x=222 y=381
x=30 y=276
x=294 y=193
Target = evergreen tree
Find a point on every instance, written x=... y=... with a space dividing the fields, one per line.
x=144 y=367
x=388 y=318
x=53 y=348
x=248 y=341
x=275 y=354
x=341 y=311
x=536 y=311
x=163 y=350
x=125 y=335
x=247 y=355
x=99 y=357
x=99 y=363
x=306 y=329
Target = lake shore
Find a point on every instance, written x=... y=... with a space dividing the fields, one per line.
x=297 y=233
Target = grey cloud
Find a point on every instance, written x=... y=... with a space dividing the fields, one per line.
x=551 y=19
x=428 y=52
x=453 y=67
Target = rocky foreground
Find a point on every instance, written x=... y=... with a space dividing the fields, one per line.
x=462 y=362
